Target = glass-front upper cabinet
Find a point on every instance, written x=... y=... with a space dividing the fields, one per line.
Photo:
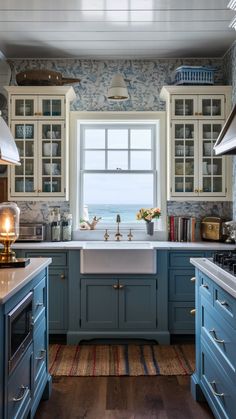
x=198 y=106
x=184 y=157
x=51 y=166
x=212 y=169
x=38 y=106
x=25 y=134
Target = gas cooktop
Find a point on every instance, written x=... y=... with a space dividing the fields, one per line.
x=226 y=260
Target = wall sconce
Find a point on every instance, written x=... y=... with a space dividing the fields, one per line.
x=9 y=232
x=118 y=90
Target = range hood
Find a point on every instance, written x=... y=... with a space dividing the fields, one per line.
x=226 y=142
x=8 y=150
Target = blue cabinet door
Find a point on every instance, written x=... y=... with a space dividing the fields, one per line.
x=99 y=304
x=181 y=288
x=137 y=304
x=58 y=301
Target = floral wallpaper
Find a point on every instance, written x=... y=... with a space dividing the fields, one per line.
x=144 y=79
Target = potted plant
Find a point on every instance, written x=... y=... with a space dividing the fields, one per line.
x=148 y=215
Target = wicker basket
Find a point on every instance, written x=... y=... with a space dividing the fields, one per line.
x=194 y=75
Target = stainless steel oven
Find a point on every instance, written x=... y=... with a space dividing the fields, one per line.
x=20 y=330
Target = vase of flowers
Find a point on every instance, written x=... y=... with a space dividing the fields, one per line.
x=148 y=215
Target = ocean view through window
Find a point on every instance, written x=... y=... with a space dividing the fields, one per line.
x=118 y=171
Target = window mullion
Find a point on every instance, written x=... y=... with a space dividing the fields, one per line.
x=129 y=156
x=106 y=149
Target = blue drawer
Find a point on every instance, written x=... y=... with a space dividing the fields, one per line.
x=39 y=300
x=221 y=337
x=40 y=354
x=180 y=318
x=182 y=259
x=181 y=288
x=58 y=258
x=220 y=390
x=205 y=287
x=19 y=388
x=225 y=305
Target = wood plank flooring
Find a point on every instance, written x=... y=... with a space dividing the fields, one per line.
x=162 y=397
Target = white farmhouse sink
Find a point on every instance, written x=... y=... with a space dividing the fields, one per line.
x=118 y=258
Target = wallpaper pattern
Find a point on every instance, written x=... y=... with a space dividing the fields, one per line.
x=144 y=79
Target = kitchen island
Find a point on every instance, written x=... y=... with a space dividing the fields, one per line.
x=24 y=377
x=214 y=378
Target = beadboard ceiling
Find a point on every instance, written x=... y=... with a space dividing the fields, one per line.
x=107 y=29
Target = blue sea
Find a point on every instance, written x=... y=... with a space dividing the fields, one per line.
x=108 y=212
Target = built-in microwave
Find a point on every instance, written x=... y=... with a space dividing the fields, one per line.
x=20 y=330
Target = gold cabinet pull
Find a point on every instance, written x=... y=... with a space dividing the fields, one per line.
x=62 y=276
x=121 y=286
x=193 y=279
x=39 y=304
x=196 y=190
x=213 y=385
x=215 y=336
x=205 y=286
x=193 y=311
x=115 y=286
x=223 y=303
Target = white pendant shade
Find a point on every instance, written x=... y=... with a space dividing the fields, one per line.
x=118 y=90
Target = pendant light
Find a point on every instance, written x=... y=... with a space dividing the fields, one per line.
x=118 y=90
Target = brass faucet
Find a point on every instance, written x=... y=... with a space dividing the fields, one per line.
x=106 y=236
x=130 y=235
x=118 y=235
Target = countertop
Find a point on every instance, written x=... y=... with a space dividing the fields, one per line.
x=13 y=279
x=224 y=279
x=162 y=245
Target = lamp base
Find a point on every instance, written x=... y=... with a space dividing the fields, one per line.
x=17 y=263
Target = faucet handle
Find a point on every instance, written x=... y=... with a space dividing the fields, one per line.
x=106 y=235
x=118 y=219
x=130 y=235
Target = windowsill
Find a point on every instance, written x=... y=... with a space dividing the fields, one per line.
x=98 y=234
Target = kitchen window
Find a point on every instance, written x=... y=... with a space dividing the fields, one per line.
x=118 y=169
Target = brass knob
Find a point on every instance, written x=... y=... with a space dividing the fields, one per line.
x=62 y=276
x=121 y=286
x=193 y=279
x=39 y=190
x=196 y=190
x=200 y=190
x=115 y=286
x=193 y=311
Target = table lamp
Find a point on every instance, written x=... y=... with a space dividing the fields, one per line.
x=9 y=232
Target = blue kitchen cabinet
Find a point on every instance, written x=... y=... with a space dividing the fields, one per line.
x=181 y=290
x=58 y=289
x=24 y=377
x=118 y=303
x=214 y=377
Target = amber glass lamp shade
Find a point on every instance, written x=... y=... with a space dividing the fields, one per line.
x=9 y=230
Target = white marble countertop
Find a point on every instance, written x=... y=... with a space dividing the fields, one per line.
x=124 y=244
x=223 y=278
x=13 y=279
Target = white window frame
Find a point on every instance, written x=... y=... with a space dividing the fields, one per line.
x=79 y=119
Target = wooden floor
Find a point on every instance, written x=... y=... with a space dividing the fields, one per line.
x=122 y=398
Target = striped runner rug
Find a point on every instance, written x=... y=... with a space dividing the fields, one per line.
x=121 y=360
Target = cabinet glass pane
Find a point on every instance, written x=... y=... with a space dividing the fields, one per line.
x=51 y=131
x=179 y=167
x=29 y=184
x=217 y=184
x=19 y=184
x=51 y=107
x=24 y=131
x=207 y=184
x=29 y=148
x=51 y=168
x=29 y=167
x=189 y=148
x=51 y=184
x=179 y=184
x=189 y=184
x=24 y=107
x=189 y=167
x=184 y=107
x=51 y=148
x=211 y=107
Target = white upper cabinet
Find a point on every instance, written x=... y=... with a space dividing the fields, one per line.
x=39 y=118
x=195 y=117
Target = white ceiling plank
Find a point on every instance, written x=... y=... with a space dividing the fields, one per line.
x=96 y=37
x=114 y=27
x=116 y=16
x=111 y=4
